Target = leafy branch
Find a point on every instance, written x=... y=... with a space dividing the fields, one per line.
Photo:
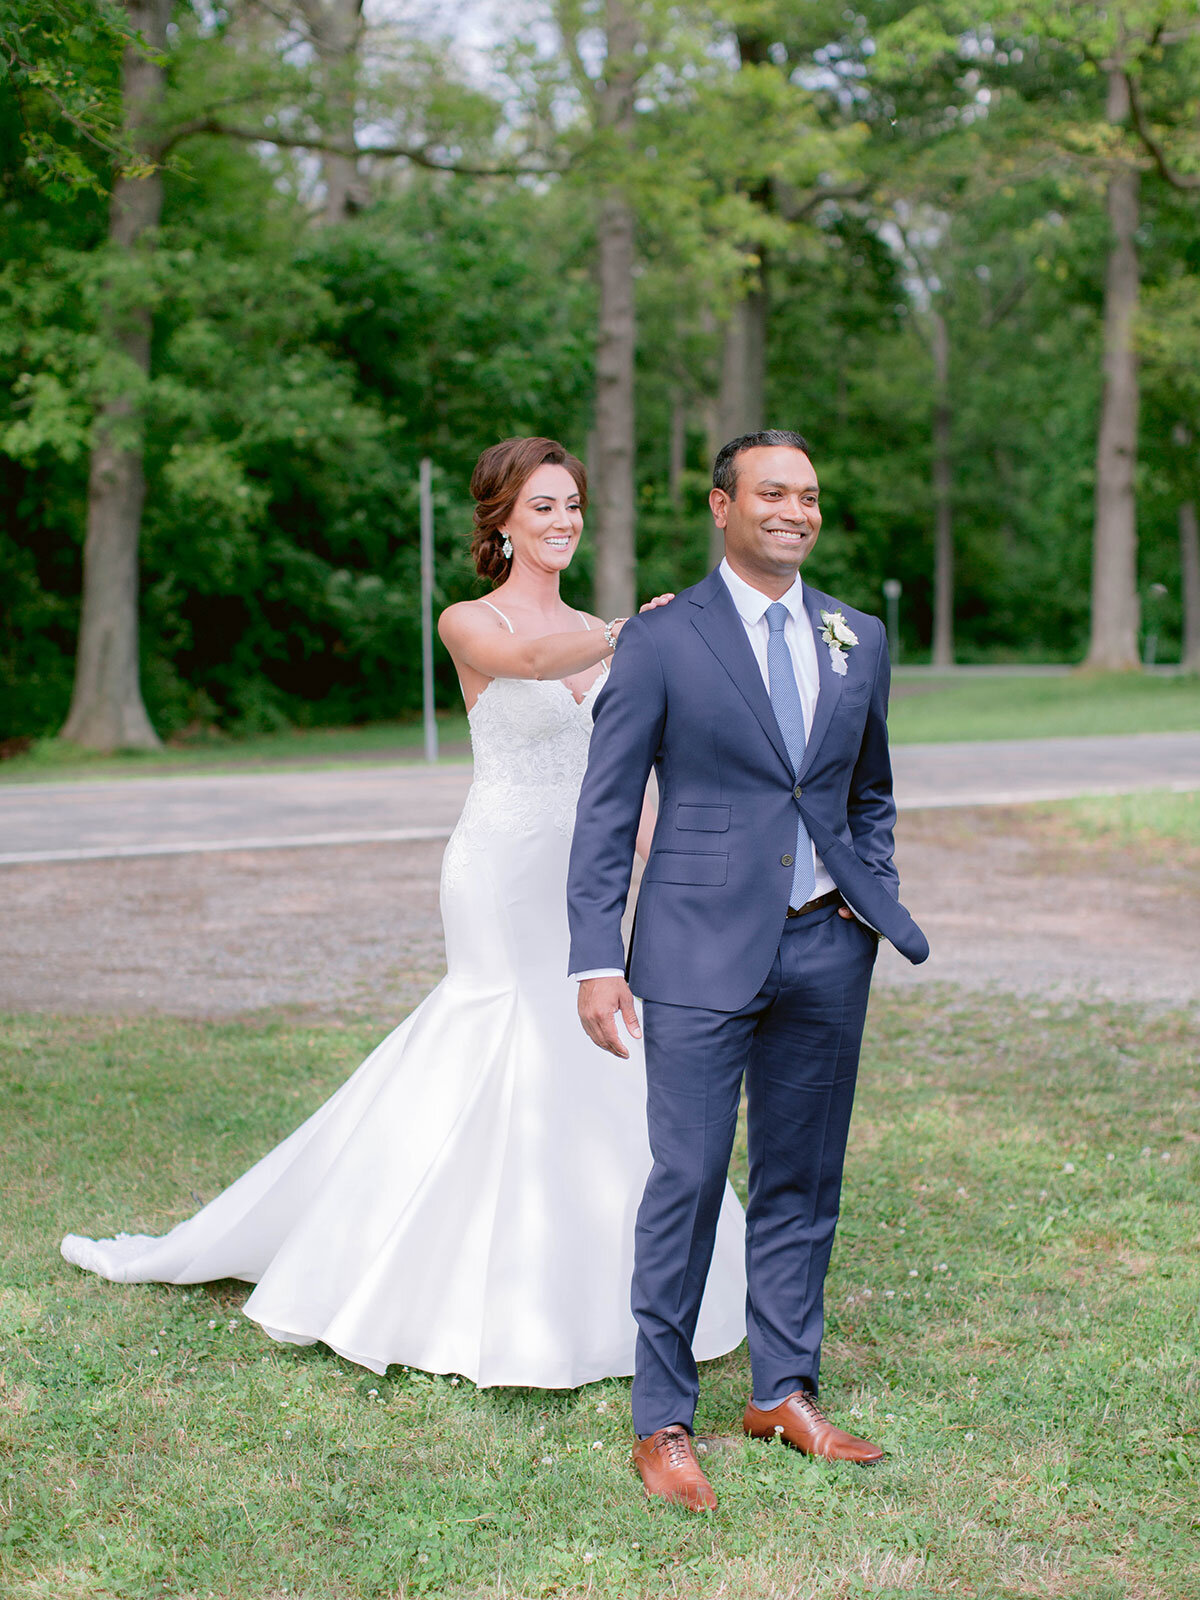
x=1177 y=180
x=419 y=155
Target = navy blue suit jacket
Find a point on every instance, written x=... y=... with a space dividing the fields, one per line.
x=685 y=696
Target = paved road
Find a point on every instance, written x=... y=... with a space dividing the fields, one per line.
x=409 y=803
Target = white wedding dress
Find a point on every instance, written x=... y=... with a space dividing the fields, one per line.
x=465 y=1202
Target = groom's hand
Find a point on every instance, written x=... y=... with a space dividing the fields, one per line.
x=599 y=1001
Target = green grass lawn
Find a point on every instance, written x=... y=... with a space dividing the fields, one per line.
x=929 y=709
x=925 y=708
x=1013 y=1313
x=1157 y=823
x=50 y=761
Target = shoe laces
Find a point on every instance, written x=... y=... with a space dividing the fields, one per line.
x=803 y=1398
x=676 y=1445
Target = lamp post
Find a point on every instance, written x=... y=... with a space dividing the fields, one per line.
x=892 y=590
x=1156 y=594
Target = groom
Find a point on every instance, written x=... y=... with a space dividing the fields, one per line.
x=761 y=705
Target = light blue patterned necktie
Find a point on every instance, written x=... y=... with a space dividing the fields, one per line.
x=789 y=714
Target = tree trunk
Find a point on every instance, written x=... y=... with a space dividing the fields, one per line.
x=616 y=560
x=107 y=711
x=943 y=537
x=1189 y=561
x=614 y=522
x=742 y=401
x=1113 y=645
x=741 y=398
x=335 y=27
x=742 y=383
x=741 y=389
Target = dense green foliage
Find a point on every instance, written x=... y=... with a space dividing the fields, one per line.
x=299 y=372
x=299 y=377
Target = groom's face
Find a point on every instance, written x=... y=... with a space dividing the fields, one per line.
x=772 y=519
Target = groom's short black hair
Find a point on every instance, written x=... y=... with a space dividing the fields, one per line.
x=725 y=468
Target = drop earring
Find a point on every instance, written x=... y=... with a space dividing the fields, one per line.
x=506 y=548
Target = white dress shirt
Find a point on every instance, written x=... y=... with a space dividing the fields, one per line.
x=751 y=607
x=802 y=644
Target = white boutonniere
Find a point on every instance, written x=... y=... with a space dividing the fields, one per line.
x=840 y=637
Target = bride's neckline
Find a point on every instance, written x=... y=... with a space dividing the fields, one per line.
x=556 y=683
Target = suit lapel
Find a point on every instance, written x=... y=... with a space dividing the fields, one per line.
x=716 y=619
x=830 y=690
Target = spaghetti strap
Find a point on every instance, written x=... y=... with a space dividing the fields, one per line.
x=588 y=626
x=500 y=614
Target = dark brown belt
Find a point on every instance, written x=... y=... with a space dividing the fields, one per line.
x=834 y=897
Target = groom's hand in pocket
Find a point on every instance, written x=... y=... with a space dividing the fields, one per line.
x=600 y=999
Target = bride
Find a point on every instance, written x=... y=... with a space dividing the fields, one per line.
x=465 y=1202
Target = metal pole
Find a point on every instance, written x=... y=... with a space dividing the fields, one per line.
x=431 y=736
x=1157 y=594
x=892 y=588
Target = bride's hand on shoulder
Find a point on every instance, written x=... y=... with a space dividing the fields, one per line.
x=614 y=627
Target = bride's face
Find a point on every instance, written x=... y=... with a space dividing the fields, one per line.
x=545 y=523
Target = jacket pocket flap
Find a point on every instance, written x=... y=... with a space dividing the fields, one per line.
x=703 y=819
x=852 y=693
x=678 y=866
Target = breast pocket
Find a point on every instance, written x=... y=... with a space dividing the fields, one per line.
x=681 y=866
x=702 y=819
x=853 y=694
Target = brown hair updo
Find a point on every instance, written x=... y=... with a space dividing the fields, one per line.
x=495 y=484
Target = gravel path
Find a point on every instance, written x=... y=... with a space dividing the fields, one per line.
x=348 y=930
x=1008 y=900
x=1019 y=902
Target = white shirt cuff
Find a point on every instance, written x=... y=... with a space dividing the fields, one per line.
x=597 y=972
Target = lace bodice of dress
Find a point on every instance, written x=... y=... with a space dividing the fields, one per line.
x=529 y=740
x=531 y=734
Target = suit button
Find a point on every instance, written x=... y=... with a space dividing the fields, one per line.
x=787 y=861
x=797 y=792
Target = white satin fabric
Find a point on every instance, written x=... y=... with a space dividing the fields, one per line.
x=465 y=1202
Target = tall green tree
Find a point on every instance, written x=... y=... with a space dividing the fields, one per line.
x=608 y=94
x=107 y=711
x=210 y=70
x=1108 y=49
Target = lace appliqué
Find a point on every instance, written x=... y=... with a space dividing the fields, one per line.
x=529 y=740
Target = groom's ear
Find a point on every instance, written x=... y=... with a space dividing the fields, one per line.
x=718 y=502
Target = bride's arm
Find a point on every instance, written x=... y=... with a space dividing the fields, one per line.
x=481 y=641
x=645 y=831
x=477 y=638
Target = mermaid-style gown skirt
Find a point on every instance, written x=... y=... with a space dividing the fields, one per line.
x=465 y=1202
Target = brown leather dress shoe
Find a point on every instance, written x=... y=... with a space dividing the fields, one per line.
x=670 y=1470
x=800 y=1422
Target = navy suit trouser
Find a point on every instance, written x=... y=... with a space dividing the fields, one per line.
x=796 y=1045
